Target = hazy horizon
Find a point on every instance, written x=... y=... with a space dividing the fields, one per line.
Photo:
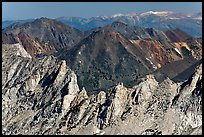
x=32 y=10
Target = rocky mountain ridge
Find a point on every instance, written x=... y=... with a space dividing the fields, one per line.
x=43 y=97
x=104 y=56
x=122 y=53
x=161 y=20
x=42 y=35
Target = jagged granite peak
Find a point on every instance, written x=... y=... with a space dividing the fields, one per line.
x=42 y=97
x=34 y=84
x=14 y=50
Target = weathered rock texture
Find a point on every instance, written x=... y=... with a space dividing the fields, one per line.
x=42 y=36
x=105 y=56
x=42 y=97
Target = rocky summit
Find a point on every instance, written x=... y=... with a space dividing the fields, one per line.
x=41 y=96
x=105 y=56
x=125 y=74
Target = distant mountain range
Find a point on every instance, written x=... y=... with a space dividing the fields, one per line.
x=164 y=20
x=117 y=78
x=103 y=56
x=7 y=23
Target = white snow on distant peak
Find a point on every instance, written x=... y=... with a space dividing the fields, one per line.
x=173 y=18
x=103 y=17
x=117 y=15
x=159 y=13
x=198 y=18
x=132 y=14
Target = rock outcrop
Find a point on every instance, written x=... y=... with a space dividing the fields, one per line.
x=42 y=97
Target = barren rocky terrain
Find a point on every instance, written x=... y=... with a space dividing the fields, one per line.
x=41 y=96
x=125 y=74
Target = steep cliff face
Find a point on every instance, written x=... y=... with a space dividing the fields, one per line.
x=33 y=90
x=42 y=97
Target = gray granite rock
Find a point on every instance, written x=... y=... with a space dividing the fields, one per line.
x=42 y=97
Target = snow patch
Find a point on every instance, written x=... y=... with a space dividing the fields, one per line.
x=173 y=18
x=160 y=13
x=151 y=63
x=99 y=132
x=198 y=18
x=177 y=51
x=127 y=15
x=131 y=41
x=117 y=15
x=102 y=17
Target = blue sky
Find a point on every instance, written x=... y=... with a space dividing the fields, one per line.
x=27 y=10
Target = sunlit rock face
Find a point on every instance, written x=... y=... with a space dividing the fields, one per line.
x=42 y=97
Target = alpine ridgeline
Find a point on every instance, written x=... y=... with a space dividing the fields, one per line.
x=42 y=97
